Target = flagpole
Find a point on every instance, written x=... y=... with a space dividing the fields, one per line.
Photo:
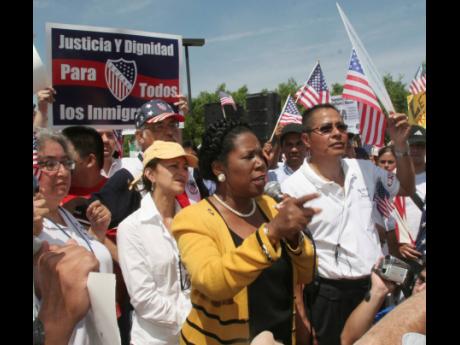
x=223 y=110
x=317 y=62
x=279 y=117
x=373 y=76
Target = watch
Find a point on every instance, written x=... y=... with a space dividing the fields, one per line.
x=39 y=332
x=404 y=153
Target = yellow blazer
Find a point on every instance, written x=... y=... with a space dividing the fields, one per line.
x=220 y=273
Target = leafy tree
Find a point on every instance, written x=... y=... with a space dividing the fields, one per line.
x=337 y=89
x=397 y=92
x=288 y=88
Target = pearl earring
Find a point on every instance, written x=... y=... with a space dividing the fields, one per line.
x=221 y=177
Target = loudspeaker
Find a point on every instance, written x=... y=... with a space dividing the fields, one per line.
x=262 y=111
x=213 y=112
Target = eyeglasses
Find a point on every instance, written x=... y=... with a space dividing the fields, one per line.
x=158 y=127
x=327 y=128
x=185 y=282
x=53 y=165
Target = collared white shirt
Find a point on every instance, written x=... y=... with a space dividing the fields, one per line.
x=149 y=261
x=280 y=174
x=84 y=331
x=345 y=226
x=116 y=165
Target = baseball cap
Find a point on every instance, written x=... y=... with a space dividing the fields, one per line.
x=417 y=135
x=155 y=110
x=291 y=128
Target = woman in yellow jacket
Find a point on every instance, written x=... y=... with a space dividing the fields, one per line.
x=243 y=253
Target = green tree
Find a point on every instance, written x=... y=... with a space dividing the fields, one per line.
x=285 y=89
x=397 y=92
x=337 y=89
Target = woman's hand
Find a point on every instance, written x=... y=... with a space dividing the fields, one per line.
x=292 y=218
x=40 y=211
x=99 y=216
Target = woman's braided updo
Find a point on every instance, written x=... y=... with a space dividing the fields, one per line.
x=217 y=142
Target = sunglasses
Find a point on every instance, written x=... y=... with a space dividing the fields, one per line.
x=327 y=128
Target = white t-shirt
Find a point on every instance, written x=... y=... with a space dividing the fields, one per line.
x=345 y=227
x=83 y=333
x=413 y=213
x=116 y=165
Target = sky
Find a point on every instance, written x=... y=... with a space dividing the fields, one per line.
x=259 y=43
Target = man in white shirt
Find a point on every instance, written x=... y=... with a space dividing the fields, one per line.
x=347 y=242
x=413 y=214
x=293 y=148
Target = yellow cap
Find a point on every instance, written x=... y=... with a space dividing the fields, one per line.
x=167 y=150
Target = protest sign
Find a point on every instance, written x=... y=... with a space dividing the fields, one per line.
x=103 y=75
x=349 y=110
x=416 y=105
x=40 y=74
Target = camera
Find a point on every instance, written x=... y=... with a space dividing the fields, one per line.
x=395 y=270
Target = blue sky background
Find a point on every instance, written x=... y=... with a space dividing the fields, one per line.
x=260 y=43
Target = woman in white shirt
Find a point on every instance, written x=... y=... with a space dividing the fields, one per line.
x=59 y=226
x=149 y=258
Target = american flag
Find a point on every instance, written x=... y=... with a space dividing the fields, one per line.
x=225 y=98
x=117 y=133
x=36 y=167
x=420 y=243
x=373 y=121
x=382 y=199
x=418 y=84
x=315 y=91
x=291 y=113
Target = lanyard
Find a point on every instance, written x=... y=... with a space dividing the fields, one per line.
x=73 y=225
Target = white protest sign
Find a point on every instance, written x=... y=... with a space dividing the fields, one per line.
x=40 y=76
x=349 y=110
x=101 y=289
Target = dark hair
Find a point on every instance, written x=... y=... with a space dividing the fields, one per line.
x=386 y=149
x=145 y=181
x=308 y=114
x=217 y=142
x=361 y=153
x=190 y=144
x=86 y=140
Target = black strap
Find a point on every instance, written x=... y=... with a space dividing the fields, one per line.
x=417 y=201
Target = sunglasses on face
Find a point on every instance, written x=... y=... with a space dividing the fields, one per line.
x=327 y=128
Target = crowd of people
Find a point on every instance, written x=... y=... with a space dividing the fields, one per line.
x=204 y=254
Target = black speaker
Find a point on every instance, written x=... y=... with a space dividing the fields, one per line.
x=262 y=111
x=213 y=112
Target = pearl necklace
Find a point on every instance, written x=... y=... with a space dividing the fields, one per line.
x=244 y=215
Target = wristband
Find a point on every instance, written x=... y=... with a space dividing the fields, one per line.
x=404 y=153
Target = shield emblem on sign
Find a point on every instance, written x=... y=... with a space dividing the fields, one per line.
x=120 y=76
